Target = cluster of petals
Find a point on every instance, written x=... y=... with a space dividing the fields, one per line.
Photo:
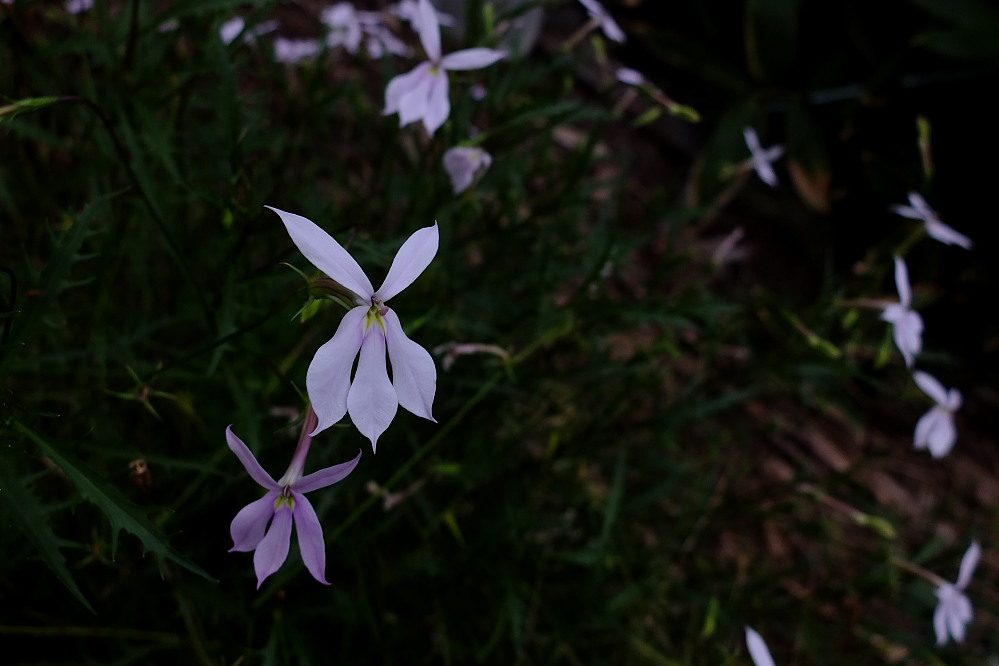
x=264 y=526
x=953 y=612
x=758 y=650
x=918 y=209
x=604 y=20
x=236 y=26
x=935 y=430
x=465 y=165
x=348 y=27
x=423 y=92
x=762 y=158
x=409 y=10
x=907 y=324
x=367 y=331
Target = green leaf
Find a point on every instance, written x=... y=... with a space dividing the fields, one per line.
x=25 y=508
x=122 y=513
x=14 y=109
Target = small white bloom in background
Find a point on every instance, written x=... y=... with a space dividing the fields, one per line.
x=919 y=210
x=758 y=650
x=422 y=93
x=907 y=324
x=465 y=166
x=168 y=26
x=344 y=26
x=380 y=41
x=79 y=6
x=935 y=429
x=631 y=77
x=953 y=612
x=599 y=15
x=761 y=158
x=408 y=10
x=293 y=51
x=234 y=27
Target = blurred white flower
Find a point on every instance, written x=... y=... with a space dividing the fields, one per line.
x=758 y=648
x=907 y=324
x=293 y=51
x=919 y=210
x=344 y=26
x=78 y=6
x=953 y=612
x=762 y=158
x=631 y=77
x=935 y=430
x=380 y=41
x=408 y=10
x=465 y=166
x=603 y=19
x=234 y=27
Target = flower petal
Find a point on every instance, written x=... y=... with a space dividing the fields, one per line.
x=256 y=472
x=249 y=525
x=430 y=30
x=930 y=386
x=908 y=332
x=758 y=648
x=328 y=378
x=325 y=253
x=402 y=85
x=968 y=564
x=941 y=232
x=902 y=282
x=410 y=261
x=438 y=103
x=413 y=372
x=924 y=426
x=372 y=402
x=940 y=615
x=310 y=537
x=906 y=211
x=941 y=436
x=326 y=476
x=273 y=549
x=476 y=58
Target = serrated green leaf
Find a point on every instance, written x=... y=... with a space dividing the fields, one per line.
x=123 y=514
x=28 y=516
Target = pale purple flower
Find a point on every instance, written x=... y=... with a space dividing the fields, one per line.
x=422 y=93
x=607 y=24
x=294 y=51
x=380 y=41
x=282 y=505
x=631 y=77
x=408 y=10
x=907 y=324
x=918 y=209
x=953 y=612
x=465 y=165
x=234 y=27
x=758 y=650
x=762 y=158
x=344 y=25
x=367 y=331
x=935 y=429
x=79 y=6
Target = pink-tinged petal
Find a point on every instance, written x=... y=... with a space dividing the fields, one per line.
x=256 y=472
x=919 y=204
x=410 y=261
x=924 y=426
x=959 y=614
x=752 y=140
x=325 y=253
x=413 y=372
x=907 y=331
x=631 y=77
x=902 y=282
x=310 y=538
x=758 y=650
x=372 y=402
x=940 y=614
x=250 y=524
x=326 y=476
x=413 y=105
x=941 y=232
x=766 y=172
x=438 y=103
x=968 y=564
x=273 y=549
x=471 y=59
x=953 y=400
x=430 y=30
x=402 y=85
x=930 y=386
x=942 y=437
x=328 y=378
x=612 y=29
x=906 y=211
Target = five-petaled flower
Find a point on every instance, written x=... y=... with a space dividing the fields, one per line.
x=758 y=648
x=465 y=165
x=918 y=209
x=284 y=504
x=907 y=324
x=422 y=93
x=935 y=429
x=761 y=158
x=953 y=611
x=599 y=16
x=367 y=331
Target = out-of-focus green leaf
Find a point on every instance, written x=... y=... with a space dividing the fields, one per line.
x=12 y=110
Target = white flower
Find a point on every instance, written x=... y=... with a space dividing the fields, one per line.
x=234 y=27
x=380 y=41
x=465 y=165
x=607 y=24
x=422 y=93
x=919 y=210
x=293 y=51
x=631 y=77
x=908 y=325
x=953 y=611
x=344 y=25
x=935 y=430
x=758 y=648
x=408 y=10
x=367 y=331
x=79 y=6
x=761 y=158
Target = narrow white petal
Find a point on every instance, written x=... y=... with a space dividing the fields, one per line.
x=766 y=172
x=758 y=648
x=930 y=386
x=410 y=261
x=476 y=58
x=958 y=617
x=924 y=426
x=752 y=140
x=941 y=232
x=325 y=253
x=372 y=402
x=902 y=282
x=923 y=209
x=968 y=564
x=953 y=400
x=430 y=30
x=940 y=617
x=612 y=29
x=438 y=103
x=943 y=434
x=906 y=211
x=413 y=372
x=328 y=378
x=400 y=86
